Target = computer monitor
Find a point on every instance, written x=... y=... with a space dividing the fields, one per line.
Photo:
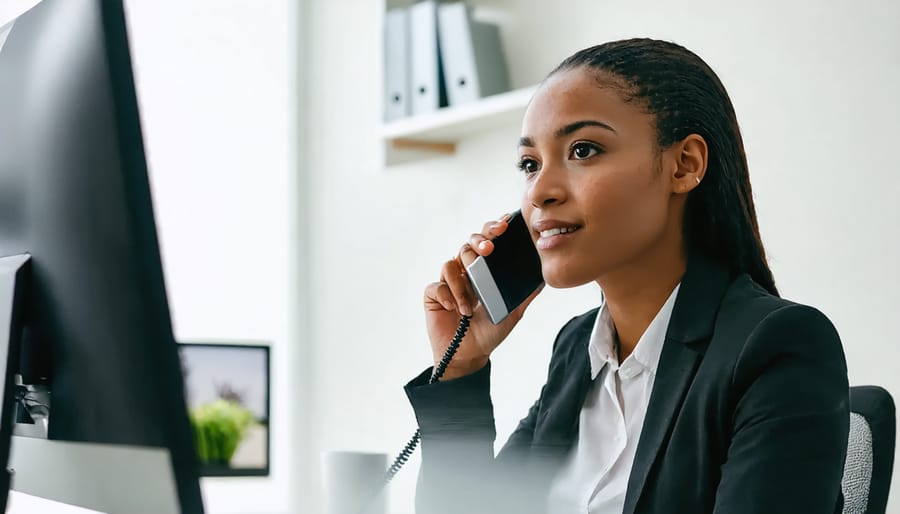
x=94 y=368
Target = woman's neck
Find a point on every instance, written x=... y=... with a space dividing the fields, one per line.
x=634 y=294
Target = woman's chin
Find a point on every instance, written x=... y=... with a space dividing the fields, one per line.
x=560 y=279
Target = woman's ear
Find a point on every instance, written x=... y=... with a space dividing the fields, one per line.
x=690 y=158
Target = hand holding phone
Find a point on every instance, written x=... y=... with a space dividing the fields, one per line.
x=505 y=273
x=515 y=269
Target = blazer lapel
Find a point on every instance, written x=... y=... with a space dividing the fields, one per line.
x=558 y=426
x=692 y=322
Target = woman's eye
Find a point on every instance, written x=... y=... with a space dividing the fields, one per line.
x=528 y=165
x=584 y=150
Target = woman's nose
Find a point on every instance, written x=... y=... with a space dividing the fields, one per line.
x=547 y=187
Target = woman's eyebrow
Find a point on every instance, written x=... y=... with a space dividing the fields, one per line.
x=578 y=125
x=569 y=129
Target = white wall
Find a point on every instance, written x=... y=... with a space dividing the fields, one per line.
x=814 y=85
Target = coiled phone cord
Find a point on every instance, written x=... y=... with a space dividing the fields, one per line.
x=436 y=374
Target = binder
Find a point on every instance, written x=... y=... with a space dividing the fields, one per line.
x=473 y=59
x=428 y=92
x=396 y=64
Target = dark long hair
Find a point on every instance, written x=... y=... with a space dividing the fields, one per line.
x=686 y=97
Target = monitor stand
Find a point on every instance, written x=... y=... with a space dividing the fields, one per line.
x=96 y=476
x=13 y=277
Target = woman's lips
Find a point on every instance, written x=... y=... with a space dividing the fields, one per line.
x=557 y=240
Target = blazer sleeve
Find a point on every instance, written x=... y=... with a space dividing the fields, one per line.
x=459 y=472
x=791 y=418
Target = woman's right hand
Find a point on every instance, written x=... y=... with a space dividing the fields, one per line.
x=453 y=296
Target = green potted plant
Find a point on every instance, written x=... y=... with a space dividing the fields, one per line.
x=219 y=426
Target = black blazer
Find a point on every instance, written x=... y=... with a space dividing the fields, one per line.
x=749 y=413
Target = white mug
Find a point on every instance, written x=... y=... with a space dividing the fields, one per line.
x=354 y=482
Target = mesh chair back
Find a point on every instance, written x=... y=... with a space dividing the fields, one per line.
x=870 y=451
x=858 y=467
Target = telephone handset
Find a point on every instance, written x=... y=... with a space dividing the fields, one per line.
x=502 y=281
x=505 y=278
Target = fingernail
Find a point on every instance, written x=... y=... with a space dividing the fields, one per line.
x=465 y=310
x=483 y=245
x=505 y=217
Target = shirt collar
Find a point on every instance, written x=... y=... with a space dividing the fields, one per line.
x=602 y=346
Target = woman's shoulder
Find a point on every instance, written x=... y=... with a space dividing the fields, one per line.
x=758 y=327
x=748 y=307
x=751 y=325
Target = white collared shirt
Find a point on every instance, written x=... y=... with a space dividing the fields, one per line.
x=594 y=477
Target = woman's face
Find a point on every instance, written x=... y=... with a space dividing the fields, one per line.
x=590 y=163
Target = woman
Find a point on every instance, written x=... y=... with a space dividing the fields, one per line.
x=693 y=387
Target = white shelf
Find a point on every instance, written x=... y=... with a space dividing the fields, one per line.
x=437 y=133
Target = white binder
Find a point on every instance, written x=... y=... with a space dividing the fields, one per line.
x=396 y=64
x=428 y=93
x=473 y=59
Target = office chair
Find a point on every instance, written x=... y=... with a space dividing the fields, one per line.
x=870 y=451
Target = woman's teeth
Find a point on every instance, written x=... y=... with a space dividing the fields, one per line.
x=555 y=231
